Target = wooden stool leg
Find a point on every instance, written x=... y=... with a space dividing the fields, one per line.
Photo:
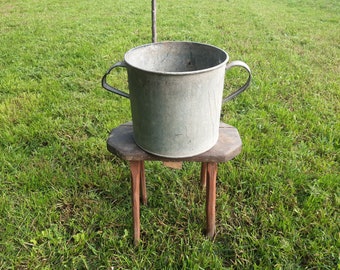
x=204 y=174
x=144 y=198
x=211 y=199
x=135 y=168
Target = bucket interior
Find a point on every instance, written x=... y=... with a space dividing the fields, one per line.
x=175 y=57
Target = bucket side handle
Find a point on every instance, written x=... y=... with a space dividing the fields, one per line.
x=108 y=87
x=238 y=63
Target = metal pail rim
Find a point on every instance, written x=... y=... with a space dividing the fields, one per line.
x=222 y=62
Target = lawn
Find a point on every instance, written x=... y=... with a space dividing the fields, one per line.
x=65 y=200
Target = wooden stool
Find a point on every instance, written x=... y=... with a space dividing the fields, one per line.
x=121 y=144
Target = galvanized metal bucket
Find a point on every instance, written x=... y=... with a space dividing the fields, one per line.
x=176 y=94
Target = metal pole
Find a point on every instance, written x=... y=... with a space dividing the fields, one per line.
x=154 y=30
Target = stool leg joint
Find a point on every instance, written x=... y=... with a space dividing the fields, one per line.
x=204 y=174
x=143 y=195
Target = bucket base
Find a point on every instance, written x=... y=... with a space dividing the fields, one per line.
x=191 y=154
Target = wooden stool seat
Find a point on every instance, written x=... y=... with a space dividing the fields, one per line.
x=122 y=144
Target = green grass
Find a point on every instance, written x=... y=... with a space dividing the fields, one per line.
x=65 y=201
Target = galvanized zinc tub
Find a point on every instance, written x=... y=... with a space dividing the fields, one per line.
x=176 y=91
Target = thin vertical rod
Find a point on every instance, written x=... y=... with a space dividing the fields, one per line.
x=154 y=28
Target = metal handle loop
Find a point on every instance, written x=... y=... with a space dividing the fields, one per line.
x=238 y=63
x=108 y=87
